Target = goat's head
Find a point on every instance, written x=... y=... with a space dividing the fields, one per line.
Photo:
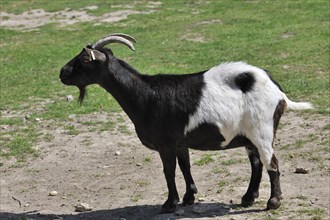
x=86 y=68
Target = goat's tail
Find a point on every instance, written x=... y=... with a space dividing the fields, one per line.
x=296 y=105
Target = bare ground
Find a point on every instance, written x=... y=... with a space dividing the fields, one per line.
x=105 y=165
x=33 y=19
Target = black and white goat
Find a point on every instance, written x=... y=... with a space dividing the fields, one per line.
x=230 y=105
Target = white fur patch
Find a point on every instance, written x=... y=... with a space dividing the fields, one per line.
x=237 y=113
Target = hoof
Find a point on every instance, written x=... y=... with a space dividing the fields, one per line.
x=273 y=203
x=168 y=209
x=248 y=200
x=188 y=200
x=169 y=206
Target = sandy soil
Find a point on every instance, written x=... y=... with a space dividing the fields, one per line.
x=85 y=159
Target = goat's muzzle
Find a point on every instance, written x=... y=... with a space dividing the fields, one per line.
x=65 y=74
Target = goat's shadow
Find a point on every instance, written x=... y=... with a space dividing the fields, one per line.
x=141 y=212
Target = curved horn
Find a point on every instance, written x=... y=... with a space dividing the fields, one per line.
x=115 y=38
x=126 y=36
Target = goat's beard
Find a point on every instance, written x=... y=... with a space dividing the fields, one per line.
x=82 y=93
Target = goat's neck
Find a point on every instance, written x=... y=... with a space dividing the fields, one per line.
x=127 y=87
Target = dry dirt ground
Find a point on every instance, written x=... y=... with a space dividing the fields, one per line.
x=105 y=165
x=97 y=159
x=31 y=20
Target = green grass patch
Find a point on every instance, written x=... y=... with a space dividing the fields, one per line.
x=107 y=126
x=19 y=143
x=311 y=211
x=205 y=159
x=221 y=185
x=71 y=130
x=326 y=127
x=147 y=159
x=136 y=197
x=221 y=170
x=11 y=121
x=231 y=161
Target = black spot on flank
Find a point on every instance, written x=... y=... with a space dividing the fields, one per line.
x=245 y=81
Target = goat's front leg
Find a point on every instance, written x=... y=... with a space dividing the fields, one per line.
x=256 y=167
x=184 y=163
x=168 y=157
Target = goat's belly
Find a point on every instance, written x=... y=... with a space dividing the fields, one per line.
x=205 y=137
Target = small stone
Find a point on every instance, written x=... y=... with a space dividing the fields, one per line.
x=138 y=164
x=72 y=116
x=201 y=199
x=302 y=170
x=27 y=205
x=179 y=212
x=92 y=7
x=69 y=98
x=52 y=193
x=117 y=153
x=83 y=207
x=38 y=120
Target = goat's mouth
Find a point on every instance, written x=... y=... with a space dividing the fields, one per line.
x=66 y=80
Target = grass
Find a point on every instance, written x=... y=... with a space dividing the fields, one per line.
x=289 y=38
x=19 y=141
x=205 y=159
x=311 y=212
x=136 y=197
x=221 y=185
x=148 y=159
x=230 y=162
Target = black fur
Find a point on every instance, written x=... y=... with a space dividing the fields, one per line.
x=204 y=137
x=270 y=77
x=245 y=82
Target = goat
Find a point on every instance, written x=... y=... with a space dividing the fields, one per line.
x=228 y=106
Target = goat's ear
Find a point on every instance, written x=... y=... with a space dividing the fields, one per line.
x=97 y=55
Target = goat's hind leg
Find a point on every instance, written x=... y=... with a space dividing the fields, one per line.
x=273 y=168
x=276 y=193
x=256 y=174
x=184 y=163
x=269 y=160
